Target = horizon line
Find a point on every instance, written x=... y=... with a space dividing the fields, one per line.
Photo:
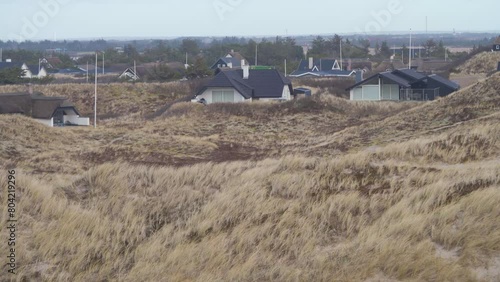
x=173 y=37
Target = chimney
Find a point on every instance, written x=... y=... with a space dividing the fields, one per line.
x=359 y=75
x=246 y=71
x=311 y=63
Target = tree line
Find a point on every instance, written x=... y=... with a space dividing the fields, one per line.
x=200 y=53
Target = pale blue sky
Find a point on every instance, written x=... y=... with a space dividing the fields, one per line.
x=68 y=19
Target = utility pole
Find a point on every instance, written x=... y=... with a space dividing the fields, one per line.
x=103 y=62
x=87 y=71
x=95 y=94
x=136 y=77
x=341 y=66
x=256 y=52
x=410 y=56
x=403 y=55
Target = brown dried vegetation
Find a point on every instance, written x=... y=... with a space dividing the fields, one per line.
x=320 y=189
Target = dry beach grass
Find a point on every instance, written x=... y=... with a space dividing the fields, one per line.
x=319 y=189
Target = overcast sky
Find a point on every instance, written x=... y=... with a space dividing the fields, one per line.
x=70 y=19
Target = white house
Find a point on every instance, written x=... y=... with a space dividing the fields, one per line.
x=34 y=71
x=246 y=84
x=29 y=71
x=402 y=85
x=51 y=111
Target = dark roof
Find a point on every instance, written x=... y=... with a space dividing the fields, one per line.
x=44 y=107
x=36 y=105
x=5 y=65
x=396 y=79
x=406 y=77
x=321 y=67
x=320 y=64
x=409 y=74
x=267 y=83
x=237 y=55
x=226 y=61
x=15 y=103
x=34 y=69
x=305 y=91
x=54 y=61
x=71 y=71
x=445 y=82
x=149 y=68
x=384 y=75
x=233 y=58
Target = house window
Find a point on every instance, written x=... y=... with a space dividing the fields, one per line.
x=223 y=96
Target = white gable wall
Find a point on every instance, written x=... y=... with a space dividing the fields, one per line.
x=43 y=73
x=27 y=72
x=286 y=93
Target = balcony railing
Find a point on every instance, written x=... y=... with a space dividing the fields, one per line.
x=419 y=94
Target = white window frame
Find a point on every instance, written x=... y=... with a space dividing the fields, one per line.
x=223 y=96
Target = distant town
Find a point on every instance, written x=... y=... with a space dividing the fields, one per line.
x=166 y=60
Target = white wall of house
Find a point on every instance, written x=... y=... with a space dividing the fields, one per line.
x=77 y=120
x=208 y=95
x=47 y=122
x=286 y=93
x=375 y=92
x=43 y=73
x=27 y=72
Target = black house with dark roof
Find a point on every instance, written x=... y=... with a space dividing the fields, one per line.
x=233 y=86
x=52 y=111
x=231 y=60
x=402 y=85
